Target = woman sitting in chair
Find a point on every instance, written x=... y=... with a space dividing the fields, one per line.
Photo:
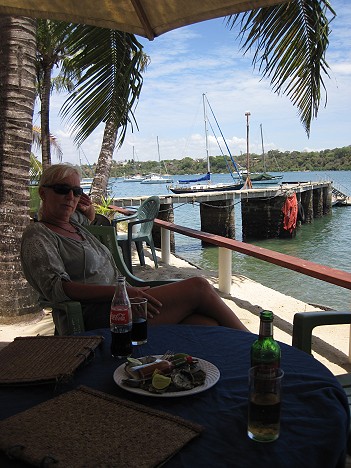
x=63 y=261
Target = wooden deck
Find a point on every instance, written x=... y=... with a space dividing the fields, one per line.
x=264 y=192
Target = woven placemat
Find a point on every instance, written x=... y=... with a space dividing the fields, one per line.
x=85 y=427
x=44 y=359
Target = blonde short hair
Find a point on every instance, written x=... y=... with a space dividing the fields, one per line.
x=55 y=173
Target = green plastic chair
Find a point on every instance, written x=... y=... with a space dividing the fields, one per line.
x=107 y=236
x=67 y=317
x=303 y=325
x=143 y=219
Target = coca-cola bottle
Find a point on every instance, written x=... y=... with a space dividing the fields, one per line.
x=121 y=321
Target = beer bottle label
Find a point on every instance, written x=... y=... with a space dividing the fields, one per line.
x=266 y=329
x=119 y=315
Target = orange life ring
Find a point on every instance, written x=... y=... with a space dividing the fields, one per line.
x=290 y=211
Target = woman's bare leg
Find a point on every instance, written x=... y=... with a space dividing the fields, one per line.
x=188 y=300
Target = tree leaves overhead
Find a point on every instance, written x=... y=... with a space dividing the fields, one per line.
x=110 y=62
x=290 y=42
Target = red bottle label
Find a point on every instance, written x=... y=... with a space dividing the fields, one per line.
x=119 y=315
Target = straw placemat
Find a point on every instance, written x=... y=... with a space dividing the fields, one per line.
x=44 y=359
x=87 y=428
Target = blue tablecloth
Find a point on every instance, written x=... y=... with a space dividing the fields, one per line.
x=315 y=413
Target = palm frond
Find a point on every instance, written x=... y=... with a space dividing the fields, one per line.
x=36 y=169
x=290 y=42
x=110 y=62
x=55 y=145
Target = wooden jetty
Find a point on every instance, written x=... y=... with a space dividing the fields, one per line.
x=261 y=208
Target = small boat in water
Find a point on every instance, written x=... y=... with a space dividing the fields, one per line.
x=262 y=178
x=85 y=183
x=157 y=178
x=221 y=187
x=265 y=179
x=197 y=185
x=134 y=178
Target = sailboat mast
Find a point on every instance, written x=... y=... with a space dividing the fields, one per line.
x=263 y=154
x=159 y=156
x=247 y=143
x=206 y=133
x=248 y=183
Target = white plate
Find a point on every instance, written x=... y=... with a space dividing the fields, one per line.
x=212 y=377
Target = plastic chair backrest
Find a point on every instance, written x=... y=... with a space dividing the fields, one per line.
x=101 y=220
x=148 y=210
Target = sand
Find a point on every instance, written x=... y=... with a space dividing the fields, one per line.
x=247 y=299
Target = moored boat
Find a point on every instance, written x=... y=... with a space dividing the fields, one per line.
x=85 y=183
x=134 y=178
x=197 y=185
x=157 y=178
x=179 y=189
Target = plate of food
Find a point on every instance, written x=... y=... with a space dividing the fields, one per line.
x=178 y=375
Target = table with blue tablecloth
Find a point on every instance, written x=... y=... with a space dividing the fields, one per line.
x=314 y=418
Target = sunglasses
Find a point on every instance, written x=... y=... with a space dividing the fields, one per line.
x=62 y=189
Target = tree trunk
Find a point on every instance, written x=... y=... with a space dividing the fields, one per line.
x=17 y=94
x=103 y=167
x=44 y=116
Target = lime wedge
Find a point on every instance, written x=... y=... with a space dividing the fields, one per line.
x=160 y=382
x=134 y=362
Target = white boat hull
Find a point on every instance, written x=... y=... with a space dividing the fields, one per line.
x=156 y=180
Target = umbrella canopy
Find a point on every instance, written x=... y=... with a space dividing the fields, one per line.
x=148 y=18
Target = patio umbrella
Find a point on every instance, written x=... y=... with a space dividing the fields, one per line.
x=148 y=18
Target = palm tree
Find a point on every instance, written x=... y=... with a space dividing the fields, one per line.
x=17 y=85
x=103 y=166
x=86 y=53
x=110 y=63
x=291 y=40
x=51 y=52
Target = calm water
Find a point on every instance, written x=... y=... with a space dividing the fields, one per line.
x=325 y=241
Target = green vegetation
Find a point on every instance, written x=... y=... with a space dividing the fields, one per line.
x=337 y=159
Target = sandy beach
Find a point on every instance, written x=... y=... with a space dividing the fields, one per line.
x=247 y=299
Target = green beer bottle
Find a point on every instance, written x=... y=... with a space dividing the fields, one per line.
x=265 y=351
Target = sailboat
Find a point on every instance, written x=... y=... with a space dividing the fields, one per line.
x=157 y=178
x=136 y=177
x=264 y=178
x=196 y=185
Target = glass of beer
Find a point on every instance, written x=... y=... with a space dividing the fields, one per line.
x=265 y=386
x=139 y=314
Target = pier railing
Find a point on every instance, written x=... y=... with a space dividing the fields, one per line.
x=226 y=245
x=321 y=272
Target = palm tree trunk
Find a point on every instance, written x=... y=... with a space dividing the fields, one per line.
x=103 y=167
x=44 y=116
x=17 y=94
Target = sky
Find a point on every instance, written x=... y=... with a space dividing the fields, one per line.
x=206 y=58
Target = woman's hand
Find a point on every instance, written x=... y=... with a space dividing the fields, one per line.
x=153 y=305
x=86 y=207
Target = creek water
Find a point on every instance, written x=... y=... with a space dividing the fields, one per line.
x=325 y=241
